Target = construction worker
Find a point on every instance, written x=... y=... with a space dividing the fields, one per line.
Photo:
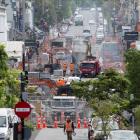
x=58 y=83
x=71 y=68
x=69 y=128
x=63 y=82
x=64 y=69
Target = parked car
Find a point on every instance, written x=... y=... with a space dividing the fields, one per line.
x=6 y=127
x=112 y=125
x=122 y=135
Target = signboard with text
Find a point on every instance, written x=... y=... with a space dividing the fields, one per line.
x=22 y=109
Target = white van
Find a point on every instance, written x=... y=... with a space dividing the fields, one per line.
x=6 y=127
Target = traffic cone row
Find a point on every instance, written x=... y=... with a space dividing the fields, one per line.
x=85 y=124
x=41 y=122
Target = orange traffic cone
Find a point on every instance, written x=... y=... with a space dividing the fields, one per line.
x=78 y=123
x=44 y=125
x=38 y=122
x=85 y=123
x=55 y=122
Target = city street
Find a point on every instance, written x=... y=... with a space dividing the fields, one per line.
x=72 y=62
x=58 y=134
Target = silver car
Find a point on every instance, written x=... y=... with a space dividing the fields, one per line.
x=122 y=135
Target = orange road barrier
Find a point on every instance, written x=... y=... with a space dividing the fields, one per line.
x=85 y=123
x=78 y=123
x=39 y=122
x=55 y=122
x=44 y=124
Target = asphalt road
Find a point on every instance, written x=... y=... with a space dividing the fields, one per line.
x=57 y=134
x=77 y=32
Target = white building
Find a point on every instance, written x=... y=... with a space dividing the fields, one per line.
x=3 y=24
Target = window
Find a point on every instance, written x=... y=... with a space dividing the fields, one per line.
x=2 y=121
x=87 y=65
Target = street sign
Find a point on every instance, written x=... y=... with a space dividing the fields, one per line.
x=44 y=75
x=30 y=43
x=24 y=96
x=22 y=109
x=131 y=36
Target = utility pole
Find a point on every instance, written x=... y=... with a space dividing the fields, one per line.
x=23 y=61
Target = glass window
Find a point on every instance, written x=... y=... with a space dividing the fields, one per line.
x=87 y=65
x=2 y=121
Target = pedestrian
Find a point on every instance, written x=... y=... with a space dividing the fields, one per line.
x=91 y=134
x=69 y=128
x=64 y=69
x=72 y=67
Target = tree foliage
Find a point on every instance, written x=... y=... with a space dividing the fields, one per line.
x=109 y=86
x=137 y=120
x=54 y=10
x=133 y=73
x=9 y=83
x=107 y=95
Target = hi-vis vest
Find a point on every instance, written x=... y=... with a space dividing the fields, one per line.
x=69 y=126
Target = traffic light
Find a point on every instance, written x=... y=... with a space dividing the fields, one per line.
x=22 y=82
x=26 y=77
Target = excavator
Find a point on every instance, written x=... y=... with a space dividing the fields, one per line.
x=90 y=66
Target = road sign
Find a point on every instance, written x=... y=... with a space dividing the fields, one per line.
x=25 y=96
x=44 y=75
x=131 y=36
x=30 y=43
x=22 y=109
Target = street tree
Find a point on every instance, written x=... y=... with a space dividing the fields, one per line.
x=9 y=83
x=133 y=73
x=106 y=86
x=104 y=110
x=137 y=119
